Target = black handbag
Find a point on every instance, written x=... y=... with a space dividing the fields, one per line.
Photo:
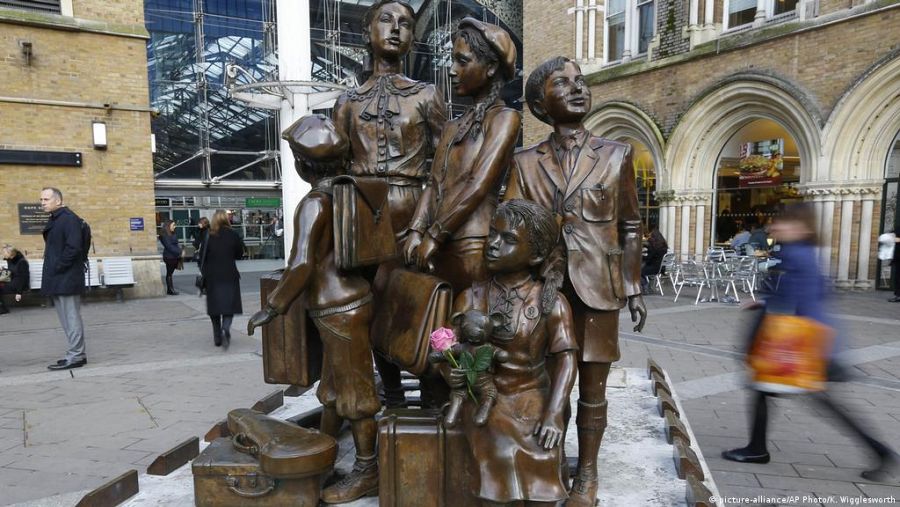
x=199 y=281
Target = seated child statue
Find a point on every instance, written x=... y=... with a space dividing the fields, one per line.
x=473 y=329
x=338 y=302
x=517 y=450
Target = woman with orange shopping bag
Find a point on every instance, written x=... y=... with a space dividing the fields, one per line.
x=791 y=350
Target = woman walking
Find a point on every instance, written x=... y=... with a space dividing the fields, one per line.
x=800 y=293
x=171 y=253
x=19 y=280
x=221 y=278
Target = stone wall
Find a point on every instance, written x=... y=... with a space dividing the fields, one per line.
x=88 y=68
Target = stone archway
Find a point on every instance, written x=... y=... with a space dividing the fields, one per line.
x=856 y=141
x=619 y=120
x=694 y=147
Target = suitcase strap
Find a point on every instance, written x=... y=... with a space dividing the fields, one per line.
x=245 y=444
x=257 y=485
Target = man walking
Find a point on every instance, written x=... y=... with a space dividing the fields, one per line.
x=63 y=274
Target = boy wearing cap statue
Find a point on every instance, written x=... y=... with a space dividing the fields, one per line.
x=450 y=225
x=338 y=302
x=589 y=183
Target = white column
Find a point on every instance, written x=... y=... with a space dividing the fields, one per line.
x=294 y=64
x=820 y=227
x=592 y=30
x=663 y=221
x=579 y=29
x=708 y=13
x=630 y=36
x=760 y=17
x=827 y=234
x=843 y=272
x=670 y=224
x=695 y=12
x=865 y=239
x=699 y=226
x=65 y=8
x=685 y=228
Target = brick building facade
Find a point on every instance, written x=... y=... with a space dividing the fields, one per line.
x=718 y=76
x=64 y=69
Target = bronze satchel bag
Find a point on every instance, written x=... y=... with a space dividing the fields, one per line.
x=363 y=234
x=415 y=305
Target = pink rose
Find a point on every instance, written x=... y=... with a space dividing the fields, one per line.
x=442 y=339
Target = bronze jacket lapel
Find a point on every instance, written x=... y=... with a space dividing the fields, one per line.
x=588 y=159
x=551 y=166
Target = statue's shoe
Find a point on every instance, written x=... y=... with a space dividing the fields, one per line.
x=362 y=481
x=583 y=493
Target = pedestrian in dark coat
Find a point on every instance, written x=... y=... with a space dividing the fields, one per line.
x=20 y=276
x=62 y=277
x=222 y=279
x=171 y=253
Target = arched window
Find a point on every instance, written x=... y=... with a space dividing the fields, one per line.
x=757 y=173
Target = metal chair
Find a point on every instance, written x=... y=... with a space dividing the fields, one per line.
x=665 y=268
x=693 y=274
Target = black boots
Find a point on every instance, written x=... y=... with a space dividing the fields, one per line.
x=217 y=329
x=170 y=286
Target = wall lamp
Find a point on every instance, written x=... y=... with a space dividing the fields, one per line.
x=26 y=48
x=99 y=135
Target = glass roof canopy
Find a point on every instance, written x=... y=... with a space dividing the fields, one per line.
x=203 y=136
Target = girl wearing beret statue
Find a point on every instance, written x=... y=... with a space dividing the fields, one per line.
x=450 y=226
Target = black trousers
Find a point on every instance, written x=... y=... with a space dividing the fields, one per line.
x=896 y=267
x=761 y=418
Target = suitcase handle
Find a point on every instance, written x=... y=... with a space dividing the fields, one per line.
x=234 y=486
x=252 y=448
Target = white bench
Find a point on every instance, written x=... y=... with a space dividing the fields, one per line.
x=36 y=274
x=118 y=272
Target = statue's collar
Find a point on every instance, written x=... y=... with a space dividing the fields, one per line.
x=398 y=81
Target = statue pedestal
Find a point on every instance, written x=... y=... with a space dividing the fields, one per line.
x=636 y=463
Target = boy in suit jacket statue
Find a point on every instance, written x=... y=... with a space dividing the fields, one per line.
x=589 y=183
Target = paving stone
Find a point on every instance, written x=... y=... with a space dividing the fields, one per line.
x=817 y=485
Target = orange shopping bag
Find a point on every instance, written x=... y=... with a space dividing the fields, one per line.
x=790 y=354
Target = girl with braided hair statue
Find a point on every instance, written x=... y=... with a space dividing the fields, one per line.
x=450 y=226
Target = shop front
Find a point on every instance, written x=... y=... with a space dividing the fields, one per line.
x=258 y=220
x=758 y=173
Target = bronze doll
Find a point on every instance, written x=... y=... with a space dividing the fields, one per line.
x=393 y=124
x=589 y=182
x=518 y=451
x=473 y=329
x=451 y=221
x=339 y=303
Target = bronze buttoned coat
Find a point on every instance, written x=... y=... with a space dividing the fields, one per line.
x=601 y=223
x=393 y=124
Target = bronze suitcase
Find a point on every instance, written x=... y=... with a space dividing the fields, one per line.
x=227 y=477
x=294 y=357
x=421 y=463
x=363 y=233
x=415 y=304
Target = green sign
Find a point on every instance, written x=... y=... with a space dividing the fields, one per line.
x=263 y=202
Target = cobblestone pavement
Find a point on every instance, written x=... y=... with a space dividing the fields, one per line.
x=154 y=378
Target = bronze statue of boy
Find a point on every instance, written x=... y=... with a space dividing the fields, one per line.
x=338 y=302
x=589 y=183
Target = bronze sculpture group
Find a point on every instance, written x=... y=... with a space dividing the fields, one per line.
x=538 y=277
